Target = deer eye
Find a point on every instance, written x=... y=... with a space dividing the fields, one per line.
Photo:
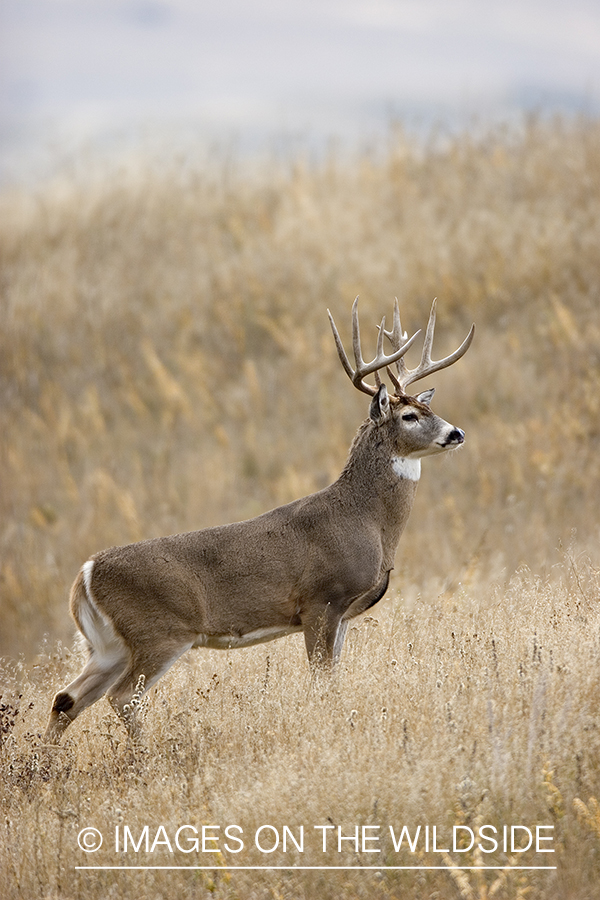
x=410 y=417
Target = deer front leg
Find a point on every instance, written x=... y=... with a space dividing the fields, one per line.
x=324 y=633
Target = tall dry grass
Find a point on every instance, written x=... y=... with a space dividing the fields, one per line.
x=478 y=710
x=166 y=364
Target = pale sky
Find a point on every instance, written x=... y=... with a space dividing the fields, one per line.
x=91 y=70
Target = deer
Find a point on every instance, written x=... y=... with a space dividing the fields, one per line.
x=311 y=565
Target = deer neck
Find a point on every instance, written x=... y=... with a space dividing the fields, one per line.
x=379 y=486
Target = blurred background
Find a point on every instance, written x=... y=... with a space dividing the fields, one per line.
x=261 y=73
x=186 y=187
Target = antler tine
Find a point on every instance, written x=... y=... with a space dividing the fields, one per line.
x=428 y=342
x=396 y=336
x=356 y=337
x=379 y=352
x=340 y=348
x=363 y=369
x=427 y=365
x=395 y=381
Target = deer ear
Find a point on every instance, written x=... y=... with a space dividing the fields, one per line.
x=426 y=396
x=380 y=406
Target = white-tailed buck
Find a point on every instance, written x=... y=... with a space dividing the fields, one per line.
x=309 y=566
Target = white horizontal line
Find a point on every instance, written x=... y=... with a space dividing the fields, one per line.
x=322 y=868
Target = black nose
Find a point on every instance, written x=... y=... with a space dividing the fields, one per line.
x=456 y=436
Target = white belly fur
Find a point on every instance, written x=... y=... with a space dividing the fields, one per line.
x=231 y=641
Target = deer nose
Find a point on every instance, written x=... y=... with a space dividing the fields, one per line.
x=456 y=436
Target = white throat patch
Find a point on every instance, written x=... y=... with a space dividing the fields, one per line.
x=406 y=468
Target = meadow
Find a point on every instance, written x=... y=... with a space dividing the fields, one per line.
x=166 y=364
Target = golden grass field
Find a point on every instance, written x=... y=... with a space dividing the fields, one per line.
x=166 y=364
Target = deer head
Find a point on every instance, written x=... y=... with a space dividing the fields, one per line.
x=412 y=429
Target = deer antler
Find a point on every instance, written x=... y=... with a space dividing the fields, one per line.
x=427 y=365
x=381 y=361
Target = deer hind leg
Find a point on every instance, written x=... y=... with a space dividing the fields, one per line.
x=144 y=669
x=101 y=670
x=108 y=657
